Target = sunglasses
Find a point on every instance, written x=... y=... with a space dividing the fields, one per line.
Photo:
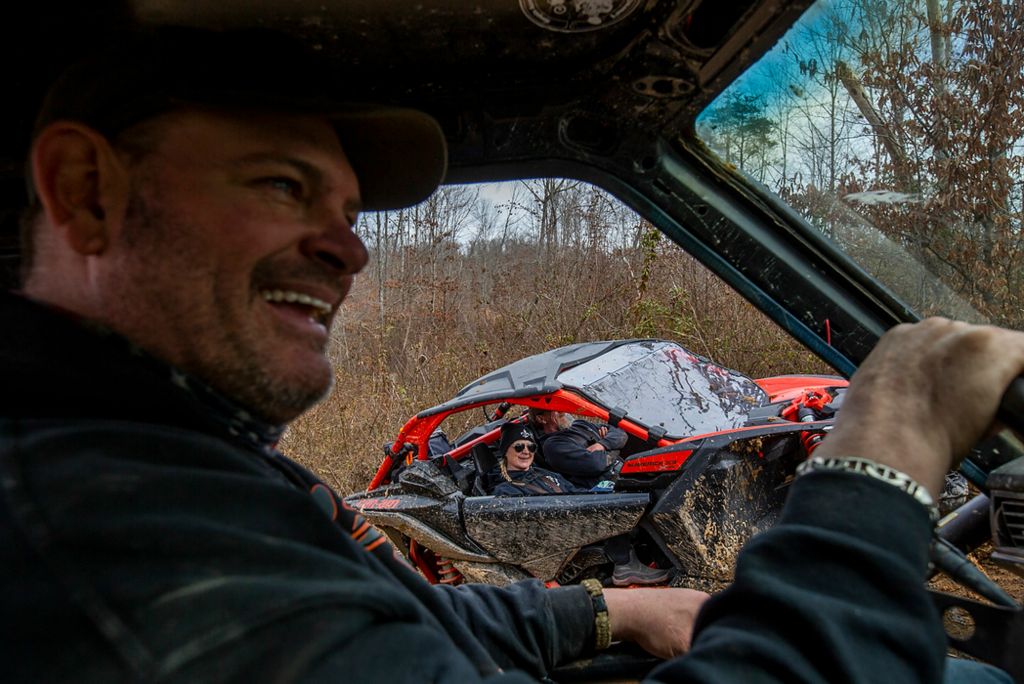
x=531 y=447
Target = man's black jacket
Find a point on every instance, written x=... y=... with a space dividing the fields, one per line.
x=148 y=531
x=145 y=534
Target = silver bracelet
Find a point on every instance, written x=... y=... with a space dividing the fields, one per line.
x=864 y=466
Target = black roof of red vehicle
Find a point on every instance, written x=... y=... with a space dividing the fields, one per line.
x=655 y=383
x=533 y=375
x=655 y=389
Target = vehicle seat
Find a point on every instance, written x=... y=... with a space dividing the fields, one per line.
x=485 y=461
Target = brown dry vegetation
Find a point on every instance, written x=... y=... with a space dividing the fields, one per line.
x=442 y=314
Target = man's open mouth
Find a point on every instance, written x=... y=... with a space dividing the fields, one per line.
x=318 y=309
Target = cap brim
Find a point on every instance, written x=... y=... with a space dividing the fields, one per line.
x=399 y=155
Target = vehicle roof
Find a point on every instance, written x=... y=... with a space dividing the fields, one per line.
x=653 y=382
x=522 y=90
x=533 y=375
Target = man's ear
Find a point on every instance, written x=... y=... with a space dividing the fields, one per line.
x=79 y=180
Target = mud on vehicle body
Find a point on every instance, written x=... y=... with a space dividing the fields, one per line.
x=706 y=464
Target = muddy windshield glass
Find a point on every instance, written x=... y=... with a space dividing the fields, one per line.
x=662 y=384
x=895 y=127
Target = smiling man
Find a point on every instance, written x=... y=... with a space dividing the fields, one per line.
x=189 y=240
x=225 y=250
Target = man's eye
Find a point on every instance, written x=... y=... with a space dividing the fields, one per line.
x=285 y=185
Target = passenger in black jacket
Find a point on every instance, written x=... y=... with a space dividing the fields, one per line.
x=516 y=475
x=586 y=454
x=581 y=451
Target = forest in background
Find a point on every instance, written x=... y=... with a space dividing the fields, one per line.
x=896 y=127
x=462 y=285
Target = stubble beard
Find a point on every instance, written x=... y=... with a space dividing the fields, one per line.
x=212 y=341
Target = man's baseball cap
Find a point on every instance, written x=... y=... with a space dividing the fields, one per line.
x=398 y=154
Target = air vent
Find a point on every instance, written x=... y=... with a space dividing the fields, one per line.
x=1009 y=518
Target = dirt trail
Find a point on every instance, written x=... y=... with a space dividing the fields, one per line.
x=1008 y=580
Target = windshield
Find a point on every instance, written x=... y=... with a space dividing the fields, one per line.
x=662 y=384
x=896 y=128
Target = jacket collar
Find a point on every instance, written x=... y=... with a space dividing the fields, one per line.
x=57 y=365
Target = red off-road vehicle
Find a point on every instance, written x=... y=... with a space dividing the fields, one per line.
x=707 y=462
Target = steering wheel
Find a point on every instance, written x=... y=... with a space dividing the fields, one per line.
x=995 y=630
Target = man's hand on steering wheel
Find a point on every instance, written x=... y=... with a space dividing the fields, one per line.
x=926 y=394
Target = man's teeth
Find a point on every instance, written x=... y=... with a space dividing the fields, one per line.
x=296 y=298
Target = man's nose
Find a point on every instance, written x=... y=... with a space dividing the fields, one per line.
x=337 y=247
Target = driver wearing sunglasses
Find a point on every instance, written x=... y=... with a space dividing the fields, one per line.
x=516 y=475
